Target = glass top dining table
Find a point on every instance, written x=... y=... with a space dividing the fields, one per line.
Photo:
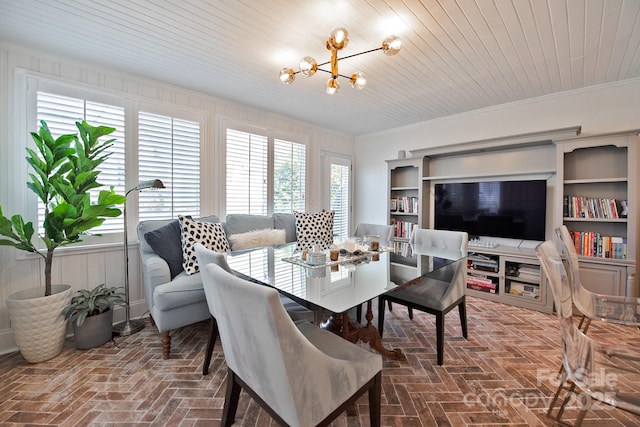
x=336 y=286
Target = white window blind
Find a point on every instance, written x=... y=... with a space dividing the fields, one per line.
x=248 y=183
x=61 y=113
x=289 y=172
x=169 y=150
x=340 y=200
x=246 y=178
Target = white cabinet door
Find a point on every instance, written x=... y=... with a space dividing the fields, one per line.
x=603 y=279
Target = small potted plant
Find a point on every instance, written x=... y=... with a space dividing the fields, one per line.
x=91 y=314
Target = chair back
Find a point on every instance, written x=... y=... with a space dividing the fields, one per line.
x=206 y=256
x=582 y=298
x=384 y=232
x=423 y=240
x=264 y=348
x=605 y=372
x=442 y=239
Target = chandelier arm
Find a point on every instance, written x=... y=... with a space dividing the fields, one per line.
x=361 y=53
x=329 y=72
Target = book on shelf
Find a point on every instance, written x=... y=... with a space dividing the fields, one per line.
x=476 y=278
x=481 y=257
x=483 y=264
x=528 y=272
x=404 y=204
x=478 y=284
x=587 y=207
x=403 y=249
x=592 y=244
x=403 y=229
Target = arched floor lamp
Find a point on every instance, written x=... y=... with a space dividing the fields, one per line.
x=129 y=326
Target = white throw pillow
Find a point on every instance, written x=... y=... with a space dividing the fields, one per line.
x=211 y=235
x=257 y=238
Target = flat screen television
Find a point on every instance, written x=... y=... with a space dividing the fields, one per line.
x=509 y=209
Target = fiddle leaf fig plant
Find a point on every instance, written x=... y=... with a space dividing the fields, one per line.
x=65 y=169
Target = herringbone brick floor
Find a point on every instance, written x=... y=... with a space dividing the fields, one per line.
x=504 y=374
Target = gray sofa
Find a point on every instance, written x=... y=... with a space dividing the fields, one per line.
x=174 y=298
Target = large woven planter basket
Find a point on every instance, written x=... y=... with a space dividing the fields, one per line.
x=38 y=326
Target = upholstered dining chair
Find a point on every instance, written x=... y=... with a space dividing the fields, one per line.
x=609 y=308
x=300 y=374
x=207 y=256
x=436 y=293
x=384 y=233
x=599 y=370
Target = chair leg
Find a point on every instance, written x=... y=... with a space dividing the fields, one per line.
x=570 y=392
x=440 y=338
x=389 y=305
x=375 y=393
x=212 y=341
x=166 y=344
x=359 y=313
x=410 y=313
x=552 y=404
x=462 y=309
x=231 y=399
x=380 y=315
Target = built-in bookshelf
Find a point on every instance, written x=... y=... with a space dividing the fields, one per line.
x=597 y=202
x=405 y=213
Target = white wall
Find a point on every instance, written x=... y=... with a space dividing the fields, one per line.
x=601 y=109
x=104 y=265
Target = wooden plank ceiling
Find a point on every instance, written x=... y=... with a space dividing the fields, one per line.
x=457 y=55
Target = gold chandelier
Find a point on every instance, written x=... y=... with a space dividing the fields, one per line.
x=338 y=40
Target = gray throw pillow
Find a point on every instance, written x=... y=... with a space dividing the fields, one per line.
x=287 y=222
x=166 y=242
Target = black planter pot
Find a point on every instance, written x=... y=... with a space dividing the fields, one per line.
x=94 y=331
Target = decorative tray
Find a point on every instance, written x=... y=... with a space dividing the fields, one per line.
x=349 y=258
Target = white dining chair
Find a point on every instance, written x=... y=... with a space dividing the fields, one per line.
x=299 y=374
x=207 y=256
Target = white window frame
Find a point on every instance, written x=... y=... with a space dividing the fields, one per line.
x=224 y=124
x=27 y=86
x=177 y=113
x=34 y=85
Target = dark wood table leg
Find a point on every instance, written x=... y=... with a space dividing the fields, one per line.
x=341 y=324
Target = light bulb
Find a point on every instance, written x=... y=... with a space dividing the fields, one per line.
x=391 y=45
x=308 y=66
x=339 y=38
x=332 y=86
x=358 y=80
x=287 y=75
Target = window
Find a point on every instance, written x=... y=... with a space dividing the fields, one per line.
x=169 y=150
x=289 y=176
x=246 y=176
x=340 y=200
x=250 y=187
x=61 y=113
x=336 y=192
